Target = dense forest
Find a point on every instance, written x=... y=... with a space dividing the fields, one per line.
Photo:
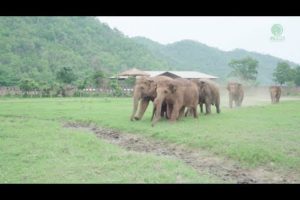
x=39 y=48
x=192 y=55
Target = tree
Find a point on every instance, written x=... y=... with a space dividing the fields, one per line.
x=297 y=75
x=245 y=69
x=283 y=73
x=82 y=84
x=117 y=90
x=28 y=85
x=98 y=78
x=3 y=78
x=66 y=75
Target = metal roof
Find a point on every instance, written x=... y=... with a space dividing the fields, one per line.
x=182 y=74
x=134 y=72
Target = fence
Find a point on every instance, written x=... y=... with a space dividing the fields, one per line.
x=125 y=91
x=68 y=91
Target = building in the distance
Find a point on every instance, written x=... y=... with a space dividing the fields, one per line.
x=173 y=74
x=182 y=74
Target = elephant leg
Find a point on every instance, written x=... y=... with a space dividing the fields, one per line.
x=163 y=109
x=207 y=107
x=230 y=101
x=218 y=108
x=194 y=109
x=135 y=107
x=169 y=110
x=157 y=105
x=143 y=106
x=271 y=97
x=201 y=107
x=237 y=103
x=240 y=102
x=181 y=112
x=175 y=113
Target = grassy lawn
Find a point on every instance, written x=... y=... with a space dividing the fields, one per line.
x=35 y=148
x=41 y=151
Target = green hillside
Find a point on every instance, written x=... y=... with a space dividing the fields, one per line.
x=192 y=55
x=37 y=47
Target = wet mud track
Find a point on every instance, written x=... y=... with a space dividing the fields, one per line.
x=202 y=161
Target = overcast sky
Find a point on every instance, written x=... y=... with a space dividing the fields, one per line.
x=225 y=33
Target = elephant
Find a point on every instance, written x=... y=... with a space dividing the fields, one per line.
x=209 y=94
x=275 y=92
x=164 y=112
x=144 y=92
x=236 y=93
x=178 y=94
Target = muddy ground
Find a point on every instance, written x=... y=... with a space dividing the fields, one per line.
x=202 y=161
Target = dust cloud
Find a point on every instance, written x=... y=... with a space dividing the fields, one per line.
x=253 y=96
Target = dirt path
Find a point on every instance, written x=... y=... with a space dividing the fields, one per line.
x=226 y=169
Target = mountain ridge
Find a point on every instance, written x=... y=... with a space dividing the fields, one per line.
x=38 y=47
x=193 y=55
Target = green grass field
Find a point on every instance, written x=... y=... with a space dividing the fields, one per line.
x=35 y=147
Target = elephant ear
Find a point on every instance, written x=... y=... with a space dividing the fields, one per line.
x=173 y=88
x=153 y=84
x=146 y=80
x=150 y=81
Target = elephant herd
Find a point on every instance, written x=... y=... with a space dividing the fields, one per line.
x=173 y=98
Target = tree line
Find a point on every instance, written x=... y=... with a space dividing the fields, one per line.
x=66 y=79
x=246 y=70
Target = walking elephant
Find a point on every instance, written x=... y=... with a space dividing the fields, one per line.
x=209 y=94
x=178 y=94
x=144 y=92
x=275 y=92
x=236 y=93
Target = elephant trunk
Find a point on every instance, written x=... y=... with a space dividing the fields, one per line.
x=136 y=98
x=157 y=106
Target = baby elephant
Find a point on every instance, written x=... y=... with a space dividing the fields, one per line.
x=275 y=92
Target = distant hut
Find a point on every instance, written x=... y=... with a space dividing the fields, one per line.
x=134 y=72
